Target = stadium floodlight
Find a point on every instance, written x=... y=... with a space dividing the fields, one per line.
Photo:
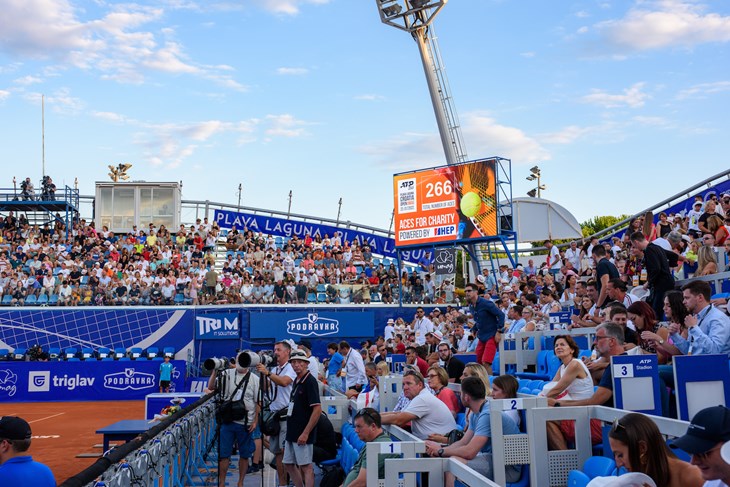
x=535 y=170
x=392 y=10
x=532 y=193
x=418 y=3
x=535 y=174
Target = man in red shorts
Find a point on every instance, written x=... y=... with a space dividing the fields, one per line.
x=488 y=319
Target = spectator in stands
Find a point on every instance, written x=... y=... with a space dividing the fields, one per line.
x=413 y=358
x=421 y=325
x=659 y=277
x=644 y=320
x=609 y=341
x=706 y=434
x=475 y=448
x=506 y=387
x=638 y=446
x=438 y=381
x=706 y=260
x=605 y=271
x=334 y=366
x=453 y=366
x=353 y=368
x=676 y=312
x=708 y=327
x=616 y=289
x=573 y=379
x=369 y=429
x=488 y=319
x=426 y=413
x=17 y=468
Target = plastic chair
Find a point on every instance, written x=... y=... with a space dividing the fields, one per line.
x=19 y=353
x=4 y=352
x=87 y=353
x=524 y=478
x=135 y=353
x=576 y=478
x=6 y=300
x=103 y=353
x=168 y=352
x=31 y=300
x=119 y=353
x=43 y=300
x=70 y=353
x=598 y=467
x=152 y=352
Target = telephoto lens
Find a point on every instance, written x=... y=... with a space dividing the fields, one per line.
x=215 y=363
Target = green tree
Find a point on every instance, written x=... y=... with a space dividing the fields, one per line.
x=598 y=223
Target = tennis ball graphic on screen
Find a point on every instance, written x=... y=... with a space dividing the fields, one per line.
x=471 y=204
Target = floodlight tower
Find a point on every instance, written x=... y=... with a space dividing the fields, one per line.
x=416 y=17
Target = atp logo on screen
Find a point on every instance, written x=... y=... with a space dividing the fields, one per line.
x=39 y=381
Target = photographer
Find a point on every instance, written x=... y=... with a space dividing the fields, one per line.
x=48 y=189
x=238 y=384
x=27 y=190
x=278 y=390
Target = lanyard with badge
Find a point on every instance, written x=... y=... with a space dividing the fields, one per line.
x=343 y=372
x=692 y=338
x=290 y=409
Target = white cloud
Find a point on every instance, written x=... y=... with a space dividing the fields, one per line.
x=659 y=122
x=369 y=97
x=4 y=94
x=582 y=30
x=664 y=23
x=703 y=89
x=115 y=46
x=528 y=54
x=292 y=71
x=27 y=80
x=287 y=7
x=111 y=117
x=482 y=135
x=632 y=97
x=285 y=126
x=59 y=101
x=566 y=135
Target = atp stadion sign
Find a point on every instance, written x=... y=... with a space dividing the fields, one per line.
x=448 y=204
x=341 y=324
x=84 y=381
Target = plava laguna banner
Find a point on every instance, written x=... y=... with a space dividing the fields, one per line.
x=287 y=228
x=84 y=381
x=296 y=325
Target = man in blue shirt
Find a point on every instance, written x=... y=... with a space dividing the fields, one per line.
x=488 y=319
x=334 y=366
x=475 y=448
x=16 y=468
x=708 y=328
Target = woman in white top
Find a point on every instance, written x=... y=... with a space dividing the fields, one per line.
x=572 y=378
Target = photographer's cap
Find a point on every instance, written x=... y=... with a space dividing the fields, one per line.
x=14 y=428
x=298 y=355
x=708 y=427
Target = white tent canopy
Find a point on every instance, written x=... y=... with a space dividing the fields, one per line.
x=537 y=219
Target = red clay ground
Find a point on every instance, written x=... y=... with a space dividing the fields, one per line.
x=68 y=428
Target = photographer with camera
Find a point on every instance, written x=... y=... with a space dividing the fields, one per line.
x=48 y=189
x=237 y=413
x=27 y=190
x=278 y=389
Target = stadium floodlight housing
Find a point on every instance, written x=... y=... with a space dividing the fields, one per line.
x=532 y=193
x=535 y=170
x=416 y=15
x=392 y=10
x=531 y=177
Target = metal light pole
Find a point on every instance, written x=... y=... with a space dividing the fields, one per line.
x=288 y=212
x=339 y=209
x=535 y=175
x=416 y=19
x=240 y=189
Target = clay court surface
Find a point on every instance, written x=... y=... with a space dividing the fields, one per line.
x=62 y=430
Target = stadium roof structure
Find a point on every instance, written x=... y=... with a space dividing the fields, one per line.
x=537 y=219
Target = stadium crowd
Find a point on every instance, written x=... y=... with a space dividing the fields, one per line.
x=154 y=266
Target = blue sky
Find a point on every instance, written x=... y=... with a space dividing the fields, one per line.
x=621 y=103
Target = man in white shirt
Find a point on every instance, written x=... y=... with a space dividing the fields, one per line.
x=426 y=413
x=421 y=325
x=553 y=261
x=353 y=367
x=389 y=330
x=573 y=254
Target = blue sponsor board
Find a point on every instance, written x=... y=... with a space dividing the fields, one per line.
x=84 y=381
x=310 y=324
x=217 y=326
x=560 y=320
x=287 y=228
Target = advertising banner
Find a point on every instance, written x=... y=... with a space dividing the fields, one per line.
x=286 y=228
x=298 y=325
x=84 y=381
x=217 y=326
x=454 y=203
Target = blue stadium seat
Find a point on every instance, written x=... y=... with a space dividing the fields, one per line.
x=576 y=478
x=152 y=352
x=19 y=353
x=53 y=300
x=84 y=280
x=4 y=352
x=107 y=359
x=135 y=353
x=103 y=353
x=125 y=359
x=375 y=297
x=120 y=353
x=598 y=467
x=168 y=352
x=70 y=352
x=524 y=478
x=6 y=300
x=321 y=288
x=461 y=420
x=43 y=300
x=73 y=359
x=54 y=353
x=311 y=298
x=321 y=297
x=31 y=300
x=87 y=353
